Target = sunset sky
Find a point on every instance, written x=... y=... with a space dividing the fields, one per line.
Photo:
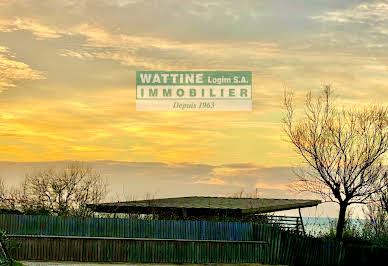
x=67 y=85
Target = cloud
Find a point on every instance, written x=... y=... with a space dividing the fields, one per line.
x=160 y=53
x=137 y=176
x=136 y=180
x=240 y=165
x=128 y=180
x=39 y=30
x=370 y=13
x=249 y=176
x=91 y=49
x=358 y=30
x=12 y=70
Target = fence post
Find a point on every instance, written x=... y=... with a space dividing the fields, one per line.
x=301 y=220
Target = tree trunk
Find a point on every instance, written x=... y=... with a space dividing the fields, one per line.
x=341 y=221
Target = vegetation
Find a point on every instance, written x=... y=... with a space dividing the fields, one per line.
x=372 y=231
x=5 y=247
x=63 y=192
x=343 y=149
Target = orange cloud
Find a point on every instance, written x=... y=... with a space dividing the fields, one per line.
x=12 y=70
x=39 y=30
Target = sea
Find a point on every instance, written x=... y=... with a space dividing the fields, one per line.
x=316 y=226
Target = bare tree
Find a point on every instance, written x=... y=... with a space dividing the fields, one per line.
x=3 y=191
x=343 y=150
x=63 y=192
x=376 y=220
x=3 y=194
x=8 y=196
x=243 y=194
x=382 y=200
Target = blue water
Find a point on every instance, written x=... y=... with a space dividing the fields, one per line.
x=317 y=226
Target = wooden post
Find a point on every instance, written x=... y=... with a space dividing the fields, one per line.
x=301 y=220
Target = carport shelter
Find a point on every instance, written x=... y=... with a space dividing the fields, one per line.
x=204 y=208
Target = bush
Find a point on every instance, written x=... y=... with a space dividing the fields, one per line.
x=373 y=232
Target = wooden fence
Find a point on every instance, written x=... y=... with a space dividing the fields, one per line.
x=152 y=241
x=146 y=250
x=289 y=223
